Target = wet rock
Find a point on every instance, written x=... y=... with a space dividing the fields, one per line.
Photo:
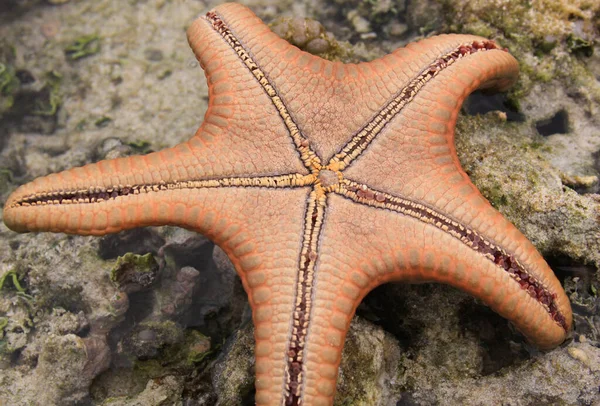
x=511 y=167
x=361 y=24
x=176 y=298
x=198 y=346
x=233 y=375
x=119 y=304
x=368 y=372
x=454 y=351
x=194 y=251
x=111 y=148
x=17 y=324
x=66 y=366
x=163 y=391
x=309 y=35
x=551 y=378
x=580 y=355
x=220 y=303
x=133 y=272
x=298 y=31
x=138 y=241
x=317 y=46
x=149 y=337
x=396 y=29
x=585 y=303
x=424 y=16
x=63 y=322
x=98 y=356
x=154 y=55
x=581 y=184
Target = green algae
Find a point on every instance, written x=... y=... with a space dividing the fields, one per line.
x=551 y=40
x=140 y=146
x=198 y=347
x=8 y=79
x=102 y=121
x=3 y=324
x=134 y=272
x=83 y=46
x=8 y=87
x=49 y=100
x=506 y=161
x=580 y=46
x=14 y=278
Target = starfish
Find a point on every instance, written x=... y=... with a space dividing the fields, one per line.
x=320 y=181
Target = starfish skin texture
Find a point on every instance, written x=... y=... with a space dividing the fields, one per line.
x=320 y=181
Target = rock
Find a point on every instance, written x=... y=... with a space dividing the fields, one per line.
x=175 y=299
x=138 y=241
x=232 y=376
x=368 y=373
x=164 y=391
x=310 y=36
x=133 y=272
x=149 y=337
x=361 y=24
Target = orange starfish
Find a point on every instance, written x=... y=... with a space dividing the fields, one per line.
x=320 y=181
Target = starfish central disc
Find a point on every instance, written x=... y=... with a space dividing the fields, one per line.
x=329 y=179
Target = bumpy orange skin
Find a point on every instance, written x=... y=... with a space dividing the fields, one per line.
x=286 y=234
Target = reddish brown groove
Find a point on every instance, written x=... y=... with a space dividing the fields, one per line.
x=366 y=195
x=294 y=381
x=98 y=194
x=309 y=158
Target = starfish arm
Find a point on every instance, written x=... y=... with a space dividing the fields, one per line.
x=422 y=133
x=124 y=193
x=263 y=237
x=237 y=51
x=383 y=245
x=518 y=284
x=246 y=134
x=417 y=122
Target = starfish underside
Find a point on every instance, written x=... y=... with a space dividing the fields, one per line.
x=320 y=181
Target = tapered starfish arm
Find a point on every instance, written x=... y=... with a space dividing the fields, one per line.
x=223 y=153
x=412 y=133
x=88 y=201
x=383 y=244
x=123 y=193
x=238 y=73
